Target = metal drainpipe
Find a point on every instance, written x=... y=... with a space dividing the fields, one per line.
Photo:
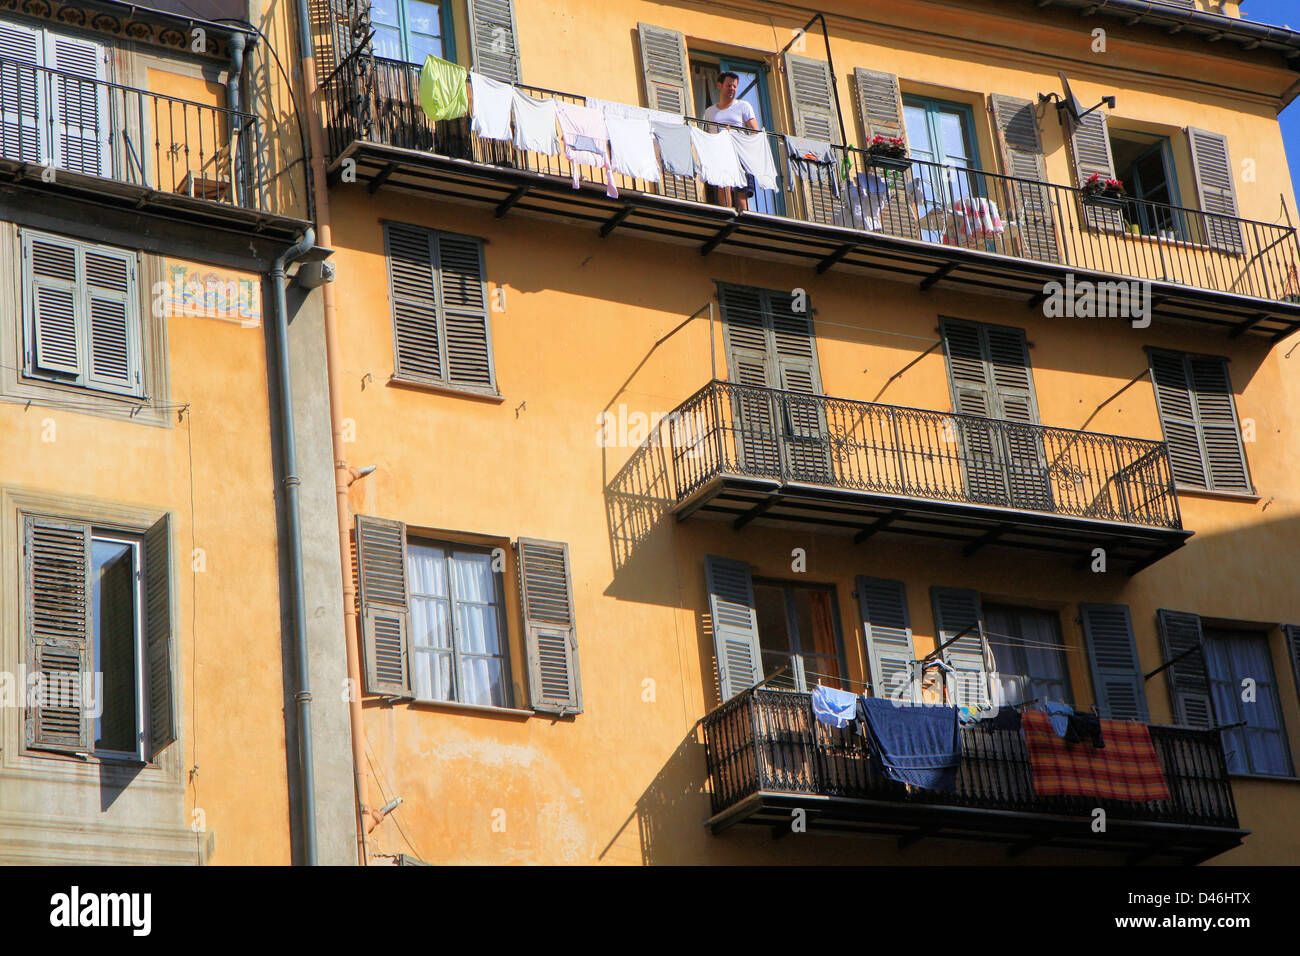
x=342 y=478
x=293 y=518
x=235 y=100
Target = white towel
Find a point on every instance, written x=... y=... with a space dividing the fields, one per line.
x=632 y=151
x=535 y=124
x=719 y=164
x=491 y=107
x=755 y=154
x=625 y=111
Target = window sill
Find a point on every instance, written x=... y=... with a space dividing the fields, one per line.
x=487 y=710
x=1271 y=777
x=1193 y=492
x=400 y=381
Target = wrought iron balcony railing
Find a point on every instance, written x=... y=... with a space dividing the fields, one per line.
x=754 y=432
x=375 y=100
x=66 y=122
x=768 y=741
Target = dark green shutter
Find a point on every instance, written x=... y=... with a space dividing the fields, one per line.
x=381 y=583
x=59 y=623
x=551 y=638
x=54 y=344
x=1090 y=144
x=493 y=39
x=1016 y=121
x=887 y=629
x=1216 y=189
x=750 y=362
x=735 y=625
x=161 y=693
x=1199 y=418
x=663 y=67
x=1189 y=682
x=954 y=610
x=1112 y=653
x=1292 y=634
x=112 y=317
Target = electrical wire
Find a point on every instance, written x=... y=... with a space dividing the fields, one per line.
x=379 y=781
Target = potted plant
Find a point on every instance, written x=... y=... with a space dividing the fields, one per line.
x=889 y=152
x=1104 y=192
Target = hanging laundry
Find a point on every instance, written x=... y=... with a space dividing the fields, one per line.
x=490 y=109
x=586 y=140
x=675 y=149
x=915 y=744
x=1085 y=727
x=755 y=154
x=626 y=111
x=1058 y=713
x=1004 y=718
x=834 y=707
x=866 y=198
x=814 y=161
x=443 y=95
x=978 y=219
x=719 y=164
x=534 y=124
x=632 y=148
x=1127 y=768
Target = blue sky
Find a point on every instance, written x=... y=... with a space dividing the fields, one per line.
x=1282 y=13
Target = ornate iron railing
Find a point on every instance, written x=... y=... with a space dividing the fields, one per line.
x=769 y=740
x=376 y=100
x=749 y=431
x=62 y=121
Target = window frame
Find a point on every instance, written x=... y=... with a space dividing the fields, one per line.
x=1163 y=145
x=446 y=23
x=797 y=649
x=136 y=544
x=1015 y=643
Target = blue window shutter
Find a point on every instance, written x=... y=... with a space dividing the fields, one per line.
x=887 y=629
x=1188 y=679
x=1112 y=653
x=735 y=625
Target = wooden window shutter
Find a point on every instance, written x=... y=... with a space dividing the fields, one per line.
x=751 y=361
x=463 y=311
x=887 y=629
x=493 y=39
x=1116 y=671
x=1188 y=677
x=968 y=374
x=1016 y=122
x=1177 y=414
x=1216 y=189
x=1292 y=634
x=21 y=133
x=417 y=339
x=112 y=311
x=1225 y=455
x=880 y=105
x=663 y=67
x=1090 y=146
x=57 y=596
x=955 y=609
x=79 y=110
x=1007 y=353
x=812 y=98
x=160 y=689
x=551 y=639
x=381 y=581
x=54 y=345
x=735 y=625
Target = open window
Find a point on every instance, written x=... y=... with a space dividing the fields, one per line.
x=1144 y=164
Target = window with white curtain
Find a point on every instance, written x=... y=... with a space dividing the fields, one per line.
x=458 y=649
x=1030 y=653
x=1259 y=745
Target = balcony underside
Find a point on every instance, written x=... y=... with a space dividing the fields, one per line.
x=1133 y=841
x=1129 y=548
x=708 y=228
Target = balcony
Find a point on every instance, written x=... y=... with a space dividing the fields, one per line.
x=746 y=454
x=924 y=224
x=767 y=755
x=136 y=150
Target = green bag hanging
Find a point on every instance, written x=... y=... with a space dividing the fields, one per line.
x=443 y=94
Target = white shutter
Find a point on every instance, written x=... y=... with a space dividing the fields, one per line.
x=54 y=344
x=112 y=320
x=79 y=107
x=20 y=93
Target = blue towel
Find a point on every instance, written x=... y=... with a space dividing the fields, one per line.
x=1059 y=714
x=916 y=744
x=834 y=707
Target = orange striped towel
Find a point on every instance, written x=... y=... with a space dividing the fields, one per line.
x=1125 y=769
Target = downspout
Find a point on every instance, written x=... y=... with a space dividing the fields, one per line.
x=342 y=477
x=293 y=518
x=235 y=101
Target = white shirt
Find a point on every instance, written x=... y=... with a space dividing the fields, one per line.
x=734 y=115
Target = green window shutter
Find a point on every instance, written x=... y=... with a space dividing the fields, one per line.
x=1225 y=455
x=887 y=629
x=57 y=597
x=463 y=307
x=663 y=67
x=751 y=361
x=551 y=638
x=417 y=340
x=112 y=313
x=880 y=106
x=812 y=98
x=1016 y=121
x=1007 y=353
x=1090 y=145
x=1172 y=385
x=381 y=576
x=735 y=625
x=954 y=610
x=1216 y=189
x=161 y=695
x=1189 y=682
x=1116 y=671
x=54 y=344
x=1292 y=634
x=493 y=39
x=968 y=373
x=79 y=110
x=21 y=133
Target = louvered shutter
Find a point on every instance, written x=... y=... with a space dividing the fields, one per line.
x=887 y=629
x=735 y=625
x=113 y=318
x=1216 y=189
x=751 y=362
x=1116 y=672
x=1090 y=143
x=1007 y=354
x=59 y=622
x=493 y=40
x=1178 y=416
x=954 y=610
x=1225 y=455
x=551 y=637
x=79 y=109
x=381 y=583
x=798 y=376
x=54 y=344
x=663 y=66
x=1292 y=634
x=972 y=395
x=880 y=112
x=21 y=94
x=812 y=109
x=160 y=693
x=1016 y=121
x=1189 y=682
x=417 y=342
x=463 y=310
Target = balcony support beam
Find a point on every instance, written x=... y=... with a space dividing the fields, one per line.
x=719 y=237
x=517 y=194
x=756 y=511
x=1242 y=327
x=880 y=524
x=613 y=221
x=835 y=257
x=936 y=275
x=374 y=184
x=987 y=537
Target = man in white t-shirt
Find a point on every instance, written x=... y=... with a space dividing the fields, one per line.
x=733 y=112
